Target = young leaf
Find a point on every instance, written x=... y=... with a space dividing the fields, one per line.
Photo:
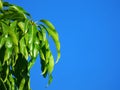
x=48 y=24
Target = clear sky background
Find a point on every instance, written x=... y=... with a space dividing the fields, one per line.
x=89 y=32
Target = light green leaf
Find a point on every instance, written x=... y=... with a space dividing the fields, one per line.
x=48 y=24
x=21 y=25
x=24 y=25
x=36 y=47
x=50 y=79
x=31 y=36
x=5 y=28
x=22 y=84
x=20 y=10
x=13 y=25
x=55 y=38
x=9 y=43
x=23 y=48
x=2 y=41
x=42 y=55
x=31 y=63
x=51 y=64
x=8 y=53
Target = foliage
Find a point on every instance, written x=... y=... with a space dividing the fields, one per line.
x=22 y=39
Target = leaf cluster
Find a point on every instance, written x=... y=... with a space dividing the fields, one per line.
x=22 y=39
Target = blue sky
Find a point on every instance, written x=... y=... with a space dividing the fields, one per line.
x=89 y=32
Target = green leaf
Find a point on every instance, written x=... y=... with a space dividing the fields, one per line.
x=22 y=84
x=24 y=25
x=55 y=37
x=21 y=25
x=14 y=36
x=5 y=29
x=31 y=35
x=43 y=68
x=48 y=24
x=8 y=53
x=1 y=5
x=20 y=10
x=31 y=63
x=51 y=64
x=23 y=48
x=50 y=79
x=2 y=42
x=13 y=25
x=42 y=55
x=9 y=43
x=36 y=47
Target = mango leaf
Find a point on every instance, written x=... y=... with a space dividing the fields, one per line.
x=21 y=25
x=48 y=24
x=22 y=84
x=42 y=55
x=8 y=53
x=9 y=43
x=24 y=25
x=12 y=14
x=13 y=35
x=31 y=35
x=12 y=84
x=20 y=9
x=2 y=41
x=5 y=28
x=50 y=79
x=16 y=51
x=31 y=63
x=13 y=25
x=43 y=68
x=52 y=32
x=36 y=47
x=23 y=48
x=51 y=64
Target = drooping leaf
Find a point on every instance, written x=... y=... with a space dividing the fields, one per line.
x=23 y=48
x=2 y=41
x=20 y=10
x=47 y=23
x=51 y=64
x=21 y=25
x=24 y=25
x=8 y=53
x=50 y=79
x=53 y=33
x=22 y=84
x=36 y=47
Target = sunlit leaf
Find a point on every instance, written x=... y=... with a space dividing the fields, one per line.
x=23 y=48
x=51 y=64
x=8 y=53
x=55 y=37
x=47 y=23
x=22 y=83
x=21 y=25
